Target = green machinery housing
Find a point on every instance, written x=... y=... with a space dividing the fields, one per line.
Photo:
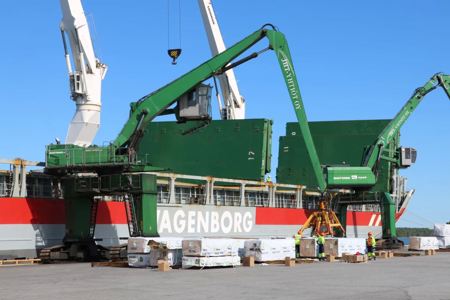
x=338 y=143
x=341 y=144
x=238 y=149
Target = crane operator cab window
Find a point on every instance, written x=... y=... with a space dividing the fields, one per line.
x=408 y=156
x=195 y=104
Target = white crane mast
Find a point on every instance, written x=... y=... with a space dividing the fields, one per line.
x=234 y=102
x=85 y=75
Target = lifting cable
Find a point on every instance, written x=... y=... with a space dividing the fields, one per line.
x=174 y=51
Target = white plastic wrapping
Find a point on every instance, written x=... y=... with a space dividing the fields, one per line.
x=210 y=247
x=239 y=245
x=441 y=230
x=213 y=261
x=145 y=244
x=423 y=243
x=139 y=260
x=338 y=246
x=443 y=241
x=270 y=249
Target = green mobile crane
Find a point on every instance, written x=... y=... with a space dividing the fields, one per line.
x=120 y=170
x=365 y=176
x=118 y=167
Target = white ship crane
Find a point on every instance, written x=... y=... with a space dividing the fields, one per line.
x=233 y=100
x=86 y=73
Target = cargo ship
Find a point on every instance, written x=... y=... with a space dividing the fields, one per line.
x=35 y=219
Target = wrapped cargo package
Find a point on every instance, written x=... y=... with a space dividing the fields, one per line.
x=239 y=245
x=339 y=246
x=308 y=247
x=145 y=244
x=209 y=247
x=138 y=245
x=270 y=249
x=443 y=241
x=441 y=229
x=145 y=252
x=136 y=260
x=423 y=243
x=213 y=261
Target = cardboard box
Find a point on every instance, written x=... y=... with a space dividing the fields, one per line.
x=209 y=247
x=249 y=261
x=163 y=266
x=288 y=262
x=308 y=247
x=270 y=249
x=330 y=258
x=423 y=243
x=338 y=246
x=441 y=230
x=213 y=261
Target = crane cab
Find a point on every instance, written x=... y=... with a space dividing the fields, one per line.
x=195 y=104
x=407 y=156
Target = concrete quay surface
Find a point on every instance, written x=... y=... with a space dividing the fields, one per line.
x=422 y=277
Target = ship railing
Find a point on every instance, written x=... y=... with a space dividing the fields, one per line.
x=206 y=190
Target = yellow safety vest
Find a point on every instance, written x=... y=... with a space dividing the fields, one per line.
x=297 y=238
x=320 y=240
x=371 y=241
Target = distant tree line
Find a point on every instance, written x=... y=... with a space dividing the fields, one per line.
x=413 y=231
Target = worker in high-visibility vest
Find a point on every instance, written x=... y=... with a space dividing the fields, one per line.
x=321 y=243
x=297 y=238
x=371 y=243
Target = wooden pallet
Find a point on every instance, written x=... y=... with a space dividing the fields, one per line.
x=408 y=254
x=116 y=264
x=443 y=250
x=305 y=260
x=19 y=262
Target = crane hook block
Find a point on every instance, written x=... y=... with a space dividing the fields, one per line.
x=174 y=54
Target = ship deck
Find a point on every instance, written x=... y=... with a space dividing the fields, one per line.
x=422 y=277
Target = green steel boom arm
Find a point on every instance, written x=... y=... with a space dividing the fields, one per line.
x=394 y=126
x=155 y=103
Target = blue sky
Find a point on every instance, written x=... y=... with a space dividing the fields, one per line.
x=354 y=60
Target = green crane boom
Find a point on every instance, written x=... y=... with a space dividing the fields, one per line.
x=365 y=175
x=154 y=104
x=397 y=122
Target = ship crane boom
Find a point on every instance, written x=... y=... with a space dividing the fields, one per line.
x=234 y=101
x=86 y=73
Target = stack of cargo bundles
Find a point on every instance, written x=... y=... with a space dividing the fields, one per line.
x=442 y=233
x=209 y=252
x=270 y=249
x=423 y=243
x=145 y=252
x=338 y=246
